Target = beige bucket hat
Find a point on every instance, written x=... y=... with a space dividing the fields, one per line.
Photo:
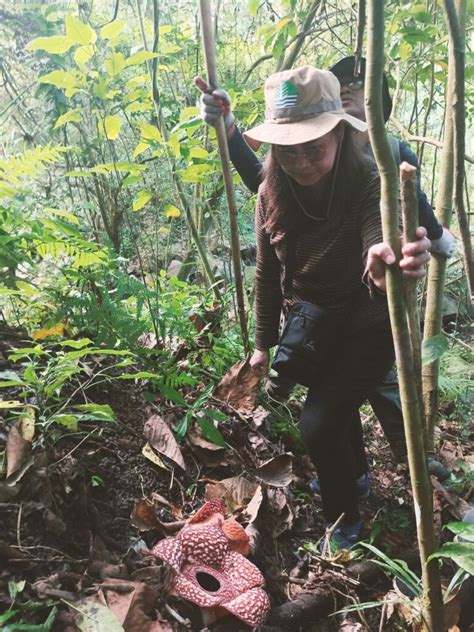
x=301 y=104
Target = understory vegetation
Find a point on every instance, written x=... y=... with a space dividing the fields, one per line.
x=119 y=319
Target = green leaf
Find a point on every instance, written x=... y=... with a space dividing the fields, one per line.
x=59 y=78
x=150 y=132
x=464 y=529
x=139 y=106
x=140 y=375
x=94 y=408
x=188 y=113
x=68 y=421
x=69 y=216
x=462 y=553
x=79 y=32
x=115 y=64
x=211 y=432
x=56 y=45
x=433 y=348
x=72 y=115
x=14 y=588
x=30 y=627
x=140 y=58
x=171 y=211
x=198 y=152
x=142 y=198
x=76 y=344
x=111 y=126
x=7 y=615
x=9 y=375
x=84 y=259
x=110 y=31
x=405 y=50
x=182 y=427
x=253 y=7
x=139 y=149
x=83 y=55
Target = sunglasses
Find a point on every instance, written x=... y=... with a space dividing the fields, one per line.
x=352 y=84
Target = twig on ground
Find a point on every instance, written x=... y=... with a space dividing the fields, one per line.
x=75 y=447
x=18 y=526
x=177 y=616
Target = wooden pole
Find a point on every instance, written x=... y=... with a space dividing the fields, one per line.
x=409 y=199
x=211 y=68
x=432 y=610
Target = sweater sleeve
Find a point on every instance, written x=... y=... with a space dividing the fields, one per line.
x=245 y=161
x=267 y=284
x=371 y=228
x=427 y=217
x=371 y=220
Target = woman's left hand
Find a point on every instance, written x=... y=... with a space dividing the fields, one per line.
x=415 y=255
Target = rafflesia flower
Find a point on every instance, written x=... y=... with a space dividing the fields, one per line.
x=210 y=570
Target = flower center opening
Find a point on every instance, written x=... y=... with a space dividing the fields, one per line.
x=208 y=582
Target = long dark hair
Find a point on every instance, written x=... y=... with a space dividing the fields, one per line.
x=281 y=209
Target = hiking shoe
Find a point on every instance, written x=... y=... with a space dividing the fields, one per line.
x=362 y=485
x=343 y=537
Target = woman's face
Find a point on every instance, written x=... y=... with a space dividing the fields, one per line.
x=308 y=163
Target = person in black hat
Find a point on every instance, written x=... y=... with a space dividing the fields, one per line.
x=385 y=399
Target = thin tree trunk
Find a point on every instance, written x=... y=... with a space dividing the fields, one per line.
x=456 y=20
x=420 y=481
x=152 y=69
x=300 y=38
x=437 y=267
x=211 y=65
x=361 y=20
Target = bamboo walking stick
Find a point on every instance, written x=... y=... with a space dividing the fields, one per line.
x=211 y=68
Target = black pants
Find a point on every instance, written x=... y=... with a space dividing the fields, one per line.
x=327 y=425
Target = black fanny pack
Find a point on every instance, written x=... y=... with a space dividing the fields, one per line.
x=309 y=334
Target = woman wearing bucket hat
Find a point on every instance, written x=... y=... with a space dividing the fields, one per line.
x=385 y=398
x=217 y=103
x=318 y=205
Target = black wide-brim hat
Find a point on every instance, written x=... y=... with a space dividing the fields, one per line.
x=345 y=68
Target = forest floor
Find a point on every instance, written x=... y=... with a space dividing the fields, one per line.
x=83 y=509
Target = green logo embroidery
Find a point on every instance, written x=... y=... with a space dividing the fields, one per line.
x=286 y=95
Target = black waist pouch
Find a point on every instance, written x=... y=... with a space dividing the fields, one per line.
x=308 y=336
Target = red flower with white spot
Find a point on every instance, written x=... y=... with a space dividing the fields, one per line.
x=212 y=575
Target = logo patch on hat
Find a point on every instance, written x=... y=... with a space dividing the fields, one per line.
x=286 y=95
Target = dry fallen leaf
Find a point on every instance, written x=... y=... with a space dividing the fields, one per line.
x=159 y=435
x=277 y=472
x=254 y=505
x=143 y=515
x=239 y=387
x=27 y=423
x=235 y=492
x=17 y=450
x=148 y=452
x=133 y=609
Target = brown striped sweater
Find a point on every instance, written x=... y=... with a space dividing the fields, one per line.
x=329 y=263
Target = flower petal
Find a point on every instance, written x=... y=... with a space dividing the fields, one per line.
x=250 y=607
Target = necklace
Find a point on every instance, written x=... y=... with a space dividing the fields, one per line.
x=331 y=193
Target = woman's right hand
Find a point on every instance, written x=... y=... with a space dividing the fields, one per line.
x=260 y=361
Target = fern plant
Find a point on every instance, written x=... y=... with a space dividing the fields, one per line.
x=15 y=170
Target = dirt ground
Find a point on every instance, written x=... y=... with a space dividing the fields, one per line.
x=71 y=526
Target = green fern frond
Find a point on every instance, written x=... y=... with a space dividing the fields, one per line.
x=14 y=171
